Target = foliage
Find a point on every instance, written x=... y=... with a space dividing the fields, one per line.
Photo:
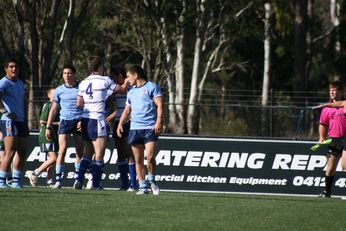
x=146 y=32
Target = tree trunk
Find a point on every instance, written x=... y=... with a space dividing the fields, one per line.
x=266 y=71
x=299 y=82
x=34 y=78
x=192 y=120
x=179 y=70
x=335 y=15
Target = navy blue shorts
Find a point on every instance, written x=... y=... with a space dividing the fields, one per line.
x=126 y=129
x=69 y=127
x=141 y=136
x=14 y=128
x=93 y=128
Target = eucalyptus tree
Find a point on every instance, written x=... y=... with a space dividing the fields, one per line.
x=36 y=35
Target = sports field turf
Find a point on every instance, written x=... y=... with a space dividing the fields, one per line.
x=36 y=209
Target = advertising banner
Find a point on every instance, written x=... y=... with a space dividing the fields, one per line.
x=220 y=165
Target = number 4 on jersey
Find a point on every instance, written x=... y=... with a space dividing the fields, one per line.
x=89 y=91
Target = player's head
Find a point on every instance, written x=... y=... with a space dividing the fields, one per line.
x=50 y=93
x=138 y=70
x=135 y=74
x=69 y=72
x=118 y=74
x=336 y=91
x=70 y=67
x=11 y=68
x=95 y=65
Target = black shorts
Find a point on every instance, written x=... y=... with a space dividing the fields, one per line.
x=126 y=129
x=336 y=147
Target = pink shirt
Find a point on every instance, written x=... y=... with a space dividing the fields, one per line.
x=335 y=120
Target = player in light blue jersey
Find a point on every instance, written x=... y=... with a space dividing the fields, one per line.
x=65 y=98
x=126 y=161
x=145 y=104
x=13 y=124
x=92 y=96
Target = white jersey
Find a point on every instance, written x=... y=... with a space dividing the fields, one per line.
x=94 y=89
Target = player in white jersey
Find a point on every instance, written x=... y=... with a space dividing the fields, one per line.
x=91 y=97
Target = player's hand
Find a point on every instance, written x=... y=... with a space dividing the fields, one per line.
x=48 y=134
x=120 y=131
x=79 y=126
x=157 y=129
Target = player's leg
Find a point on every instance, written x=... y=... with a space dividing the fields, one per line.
x=130 y=157
x=138 y=152
x=51 y=175
x=150 y=148
x=18 y=161
x=332 y=163
x=84 y=163
x=99 y=147
x=33 y=176
x=132 y=170
x=59 y=167
x=121 y=145
x=343 y=160
x=9 y=142
x=150 y=140
x=79 y=146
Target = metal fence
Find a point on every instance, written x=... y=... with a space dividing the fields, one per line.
x=238 y=113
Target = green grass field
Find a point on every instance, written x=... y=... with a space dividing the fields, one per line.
x=36 y=209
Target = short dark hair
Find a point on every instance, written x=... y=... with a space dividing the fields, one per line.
x=94 y=62
x=139 y=71
x=336 y=84
x=50 y=87
x=10 y=60
x=71 y=67
x=116 y=71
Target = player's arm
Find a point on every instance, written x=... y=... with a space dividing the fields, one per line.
x=111 y=116
x=334 y=104
x=322 y=131
x=52 y=113
x=122 y=88
x=124 y=117
x=158 y=124
x=80 y=101
x=3 y=110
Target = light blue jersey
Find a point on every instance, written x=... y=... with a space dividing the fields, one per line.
x=13 y=95
x=143 y=108
x=67 y=98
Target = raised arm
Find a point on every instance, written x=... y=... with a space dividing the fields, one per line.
x=122 y=88
x=334 y=104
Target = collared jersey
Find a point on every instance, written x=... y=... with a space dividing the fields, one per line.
x=335 y=120
x=13 y=95
x=94 y=89
x=67 y=98
x=143 y=108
